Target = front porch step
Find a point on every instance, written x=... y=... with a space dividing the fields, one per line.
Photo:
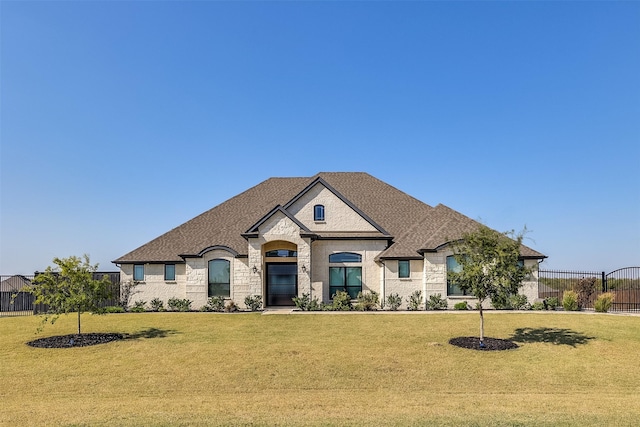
x=278 y=310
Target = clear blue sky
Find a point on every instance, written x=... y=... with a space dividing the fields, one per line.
x=122 y=120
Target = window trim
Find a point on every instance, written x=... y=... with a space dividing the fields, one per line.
x=168 y=278
x=136 y=277
x=319 y=213
x=408 y=269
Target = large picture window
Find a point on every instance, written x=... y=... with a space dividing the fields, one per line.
x=452 y=265
x=219 y=278
x=346 y=278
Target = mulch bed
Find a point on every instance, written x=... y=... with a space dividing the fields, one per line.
x=75 y=340
x=490 y=344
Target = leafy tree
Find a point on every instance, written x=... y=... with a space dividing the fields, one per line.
x=489 y=266
x=70 y=287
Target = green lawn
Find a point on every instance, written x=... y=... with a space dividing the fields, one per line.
x=324 y=369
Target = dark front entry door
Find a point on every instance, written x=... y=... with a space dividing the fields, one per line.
x=282 y=283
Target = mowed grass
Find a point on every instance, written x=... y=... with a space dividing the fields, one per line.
x=324 y=369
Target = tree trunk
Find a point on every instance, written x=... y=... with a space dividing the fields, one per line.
x=78 y=320
x=481 y=326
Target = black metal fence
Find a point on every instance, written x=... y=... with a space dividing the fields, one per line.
x=15 y=301
x=623 y=283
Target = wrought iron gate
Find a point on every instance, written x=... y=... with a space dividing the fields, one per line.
x=624 y=283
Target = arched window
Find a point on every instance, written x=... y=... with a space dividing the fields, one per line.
x=219 y=278
x=345 y=278
x=345 y=257
x=318 y=213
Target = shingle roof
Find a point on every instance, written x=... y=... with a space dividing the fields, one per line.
x=413 y=224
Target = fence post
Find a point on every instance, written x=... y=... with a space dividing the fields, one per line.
x=604 y=282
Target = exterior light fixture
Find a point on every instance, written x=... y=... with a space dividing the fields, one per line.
x=255 y=269
x=304 y=268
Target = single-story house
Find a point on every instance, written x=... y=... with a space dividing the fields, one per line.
x=287 y=237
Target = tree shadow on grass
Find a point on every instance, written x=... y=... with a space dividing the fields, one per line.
x=150 y=333
x=557 y=336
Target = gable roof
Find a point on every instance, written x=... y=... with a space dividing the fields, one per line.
x=319 y=181
x=413 y=225
x=253 y=230
x=14 y=283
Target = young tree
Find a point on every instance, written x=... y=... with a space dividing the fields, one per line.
x=489 y=266
x=70 y=287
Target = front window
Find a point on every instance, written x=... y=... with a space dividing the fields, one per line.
x=346 y=278
x=219 y=278
x=404 y=270
x=318 y=213
x=453 y=266
x=138 y=272
x=169 y=272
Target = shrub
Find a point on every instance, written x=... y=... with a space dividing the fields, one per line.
x=367 y=301
x=138 y=307
x=177 y=304
x=551 y=303
x=414 y=301
x=114 y=309
x=585 y=288
x=394 y=301
x=127 y=291
x=157 y=304
x=341 y=301
x=519 y=302
x=214 y=304
x=500 y=302
x=253 y=303
x=231 y=307
x=603 y=302
x=538 y=305
x=305 y=303
x=570 y=301
x=462 y=305
x=436 y=302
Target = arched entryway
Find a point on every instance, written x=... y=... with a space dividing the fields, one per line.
x=281 y=267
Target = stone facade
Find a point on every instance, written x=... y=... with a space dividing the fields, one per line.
x=154 y=285
x=404 y=287
x=367 y=249
x=292 y=229
x=339 y=216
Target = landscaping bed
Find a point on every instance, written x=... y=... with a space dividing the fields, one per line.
x=75 y=340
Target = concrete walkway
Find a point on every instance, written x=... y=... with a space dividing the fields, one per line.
x=294 y=310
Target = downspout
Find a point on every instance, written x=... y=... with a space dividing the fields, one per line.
x=309 y=269
x=424 y=279
x=384 y=281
